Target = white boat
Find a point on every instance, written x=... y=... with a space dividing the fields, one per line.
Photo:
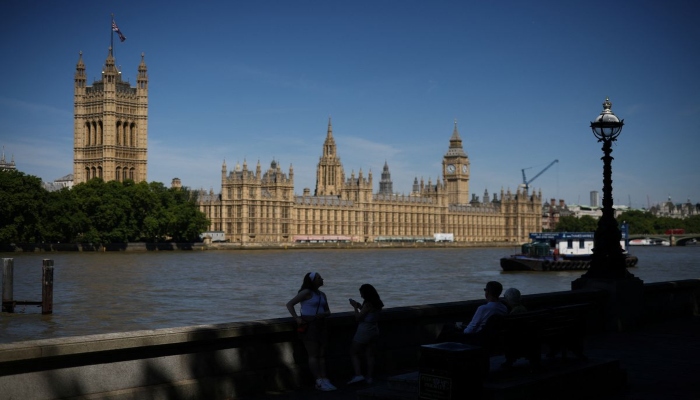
x=641 y=242
x=649 y=242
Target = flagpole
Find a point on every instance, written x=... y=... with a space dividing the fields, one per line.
x=111 y=39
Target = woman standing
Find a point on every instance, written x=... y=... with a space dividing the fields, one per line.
x=312 y=325
x=367 y=314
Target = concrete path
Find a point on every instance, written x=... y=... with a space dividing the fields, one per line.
x=662 y=362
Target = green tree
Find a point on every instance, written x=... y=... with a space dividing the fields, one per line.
x=64 y=220
x=572 y=224
x=186 y=221
x=22 y=200
x=640 y=222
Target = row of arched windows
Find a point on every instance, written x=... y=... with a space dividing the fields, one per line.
x=121 y=174
x=93 y=133
x=125 y=134
x=94 y=172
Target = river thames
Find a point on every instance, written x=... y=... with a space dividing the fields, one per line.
x=117 y=292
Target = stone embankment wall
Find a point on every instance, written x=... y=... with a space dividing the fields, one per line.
x=231 y=360
x=139 y=246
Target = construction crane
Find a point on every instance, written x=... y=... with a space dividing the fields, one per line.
x=526 y=183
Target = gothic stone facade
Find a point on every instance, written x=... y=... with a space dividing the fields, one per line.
x=261 y=207
x=111 y=125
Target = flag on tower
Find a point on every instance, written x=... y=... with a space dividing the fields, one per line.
x=115 y=28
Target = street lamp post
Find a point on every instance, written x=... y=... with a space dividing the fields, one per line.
x=608 y=260
x=608 y=271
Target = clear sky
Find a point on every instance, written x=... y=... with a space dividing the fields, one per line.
x=258 y=80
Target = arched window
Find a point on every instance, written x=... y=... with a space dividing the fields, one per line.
x=117 y=133
x=87 y=173
x=93 y=172
x=133 y=135
x=118 y=174
x=99 y=172
x=131 y=174
x=100 y=135
x=86 y=133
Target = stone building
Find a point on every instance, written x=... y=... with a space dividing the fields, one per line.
x=111 y=125
x=260 y=206
x=672 y=210
x=7 y=165
x=552 y=212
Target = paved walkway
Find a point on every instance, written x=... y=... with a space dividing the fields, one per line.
x=662 y=362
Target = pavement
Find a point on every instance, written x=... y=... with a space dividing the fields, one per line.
x=662 y=361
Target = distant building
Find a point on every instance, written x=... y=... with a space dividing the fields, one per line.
x=111 y=125
x=669 y=209
x=259 y=206
x=552 y=212
x=4 y=164
x=60 y=183
x=595 y=199
x=595 y=212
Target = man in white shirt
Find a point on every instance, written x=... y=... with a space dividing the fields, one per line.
x=493 y=306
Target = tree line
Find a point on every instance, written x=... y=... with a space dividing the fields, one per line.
x=640 y=223
x=96 y=212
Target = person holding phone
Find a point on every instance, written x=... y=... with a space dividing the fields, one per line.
x=314 y=310
x=367 y=316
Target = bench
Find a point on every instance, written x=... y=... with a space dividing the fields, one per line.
x=559 y=329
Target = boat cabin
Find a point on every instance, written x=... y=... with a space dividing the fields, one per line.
x=567 y=245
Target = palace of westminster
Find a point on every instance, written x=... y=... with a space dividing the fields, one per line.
x=260 y=206
x=111 y=142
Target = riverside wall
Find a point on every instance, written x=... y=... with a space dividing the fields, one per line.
x=237 y=359
x=198 y=246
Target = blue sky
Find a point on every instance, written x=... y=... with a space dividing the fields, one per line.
x=257 y=80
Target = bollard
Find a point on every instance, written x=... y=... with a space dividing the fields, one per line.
x=7 y=282
x=47 y=287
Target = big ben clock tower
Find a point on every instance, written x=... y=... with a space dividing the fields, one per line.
x=455 y=171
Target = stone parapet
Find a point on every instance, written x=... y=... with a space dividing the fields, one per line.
x=237 y=359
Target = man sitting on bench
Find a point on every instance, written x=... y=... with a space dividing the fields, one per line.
x=474 y=332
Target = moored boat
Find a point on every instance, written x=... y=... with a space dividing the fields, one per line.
x=558 y=251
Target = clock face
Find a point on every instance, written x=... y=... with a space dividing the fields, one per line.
x=450 y=168
x=464 y=169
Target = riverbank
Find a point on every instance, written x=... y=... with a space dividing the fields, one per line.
x=198 y=246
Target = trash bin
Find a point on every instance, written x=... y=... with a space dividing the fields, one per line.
x=451 y=371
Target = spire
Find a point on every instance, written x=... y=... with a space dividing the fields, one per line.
x=109 y=71
x=386 y=186
x=142 y=80
x=80 y=78
x=329 y=143
x=456 y=148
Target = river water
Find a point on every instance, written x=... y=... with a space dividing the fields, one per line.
x=117 y=292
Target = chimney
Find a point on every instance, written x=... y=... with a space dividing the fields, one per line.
x=561 y=203
x=552 y=202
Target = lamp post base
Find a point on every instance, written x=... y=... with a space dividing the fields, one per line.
x=625 y=306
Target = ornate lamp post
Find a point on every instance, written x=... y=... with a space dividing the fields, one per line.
x=608 y=260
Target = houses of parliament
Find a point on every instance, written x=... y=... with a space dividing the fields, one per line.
x=256 y=206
